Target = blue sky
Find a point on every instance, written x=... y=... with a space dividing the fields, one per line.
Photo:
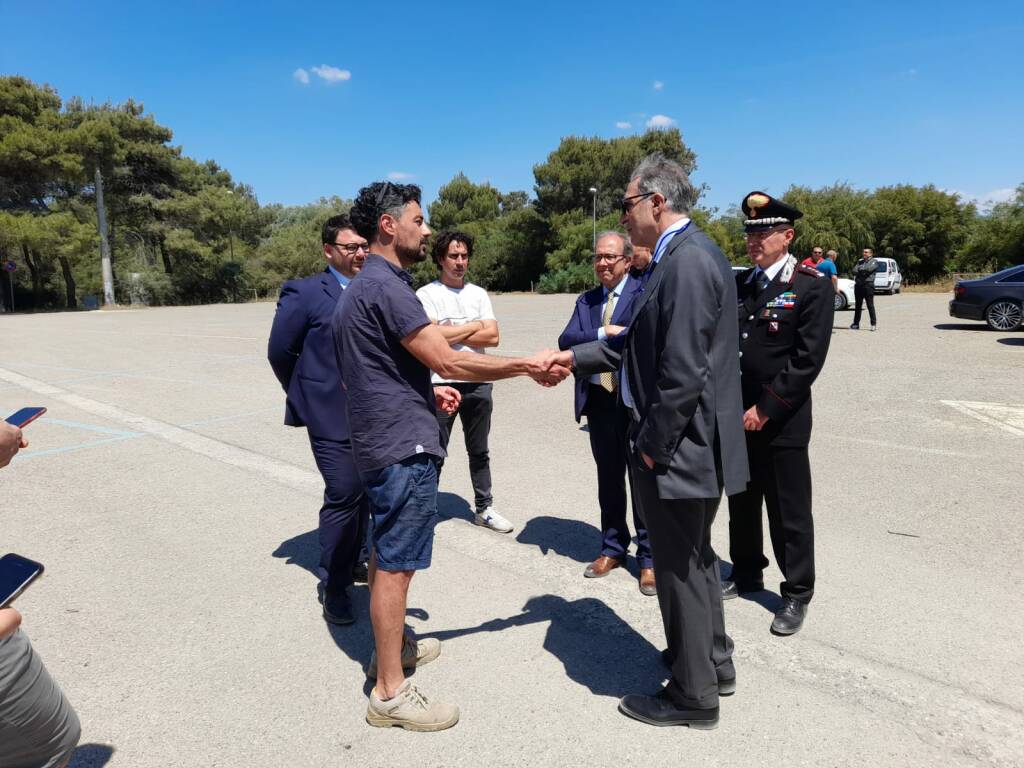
x=872 y=93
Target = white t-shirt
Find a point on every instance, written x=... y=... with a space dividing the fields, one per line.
x=455 y=306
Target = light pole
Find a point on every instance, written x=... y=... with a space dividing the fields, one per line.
x=593 y=191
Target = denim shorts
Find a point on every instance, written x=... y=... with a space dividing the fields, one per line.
x=403 y=505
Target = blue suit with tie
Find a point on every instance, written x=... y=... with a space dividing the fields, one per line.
x=607 y=422
x=301 y=353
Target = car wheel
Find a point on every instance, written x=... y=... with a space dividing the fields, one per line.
x=897 y=290
x=839 y=302
x=1004 y=315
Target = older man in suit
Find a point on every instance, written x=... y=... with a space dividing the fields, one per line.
x=679 y=380
x=301 y=352
x=600 y=313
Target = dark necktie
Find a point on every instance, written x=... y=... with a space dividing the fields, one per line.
x=761 y=278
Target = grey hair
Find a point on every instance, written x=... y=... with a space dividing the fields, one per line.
x=657 y=173
x=830 y=253
x=627 y=247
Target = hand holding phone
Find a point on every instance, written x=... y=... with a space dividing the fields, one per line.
x=16 y=573
x=11 y=440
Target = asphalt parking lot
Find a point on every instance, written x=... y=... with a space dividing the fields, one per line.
x=176 y=518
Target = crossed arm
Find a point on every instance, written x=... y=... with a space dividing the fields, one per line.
x=476 y=333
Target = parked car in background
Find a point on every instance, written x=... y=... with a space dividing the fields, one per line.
x=844 y=294
x=997 y=299
x=887 y=276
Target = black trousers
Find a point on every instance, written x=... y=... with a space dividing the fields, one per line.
x=475 y=414
x=343 y=516
x=864 y=293
x=607 y=423
x=781 y=478
x=689 y=590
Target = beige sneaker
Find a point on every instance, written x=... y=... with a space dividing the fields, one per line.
x=415 y=653
x=411 y=710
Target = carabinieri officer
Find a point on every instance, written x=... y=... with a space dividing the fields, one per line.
x=785 y=323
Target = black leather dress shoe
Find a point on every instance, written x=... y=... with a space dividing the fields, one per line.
x=731 y=589
x=661 y=710
x=790 y=617
x=338 y=608
x=726 y=685
x=360 y=573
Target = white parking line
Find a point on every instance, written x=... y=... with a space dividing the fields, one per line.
x=990 y=413
x=286 y=474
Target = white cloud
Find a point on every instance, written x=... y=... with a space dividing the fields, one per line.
x=660 y=121
x=331 y=74
x=301 y=75
x=623 y=125
x=658 y=85
x=1004 y=195
x=400 y=176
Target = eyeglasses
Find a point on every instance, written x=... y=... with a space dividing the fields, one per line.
x=628 y=206
x=611 y=258
x=352 y=248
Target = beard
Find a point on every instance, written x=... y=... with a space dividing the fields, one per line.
x=412 y=254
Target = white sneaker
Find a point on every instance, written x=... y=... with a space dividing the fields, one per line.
x=491 y=519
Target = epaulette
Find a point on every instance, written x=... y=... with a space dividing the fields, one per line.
x=810 y=271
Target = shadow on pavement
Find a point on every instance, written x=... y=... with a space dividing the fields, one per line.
x=302 y=550
x=569 y=538
x=1010 y=342
x=770 y=601
x=979 y=326
x=451 y=506
x=597 y=648
x=91 y=756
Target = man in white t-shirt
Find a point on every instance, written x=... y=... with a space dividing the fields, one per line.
x=462 y=312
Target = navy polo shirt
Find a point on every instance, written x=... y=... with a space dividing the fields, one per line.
x=391 y=411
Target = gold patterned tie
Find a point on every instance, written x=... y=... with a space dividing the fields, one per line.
x=608 y=379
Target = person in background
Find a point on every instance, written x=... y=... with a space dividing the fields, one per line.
x=463 y=314
x=864 y=287
x=600 y=313
x=827 y=267
x=301 y=354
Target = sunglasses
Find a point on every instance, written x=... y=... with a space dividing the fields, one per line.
x=627 y=206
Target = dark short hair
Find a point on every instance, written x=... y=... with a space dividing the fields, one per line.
x=333 y=226
x=446 y=238
x=375 y=200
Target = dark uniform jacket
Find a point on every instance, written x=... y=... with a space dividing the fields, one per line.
x=864 y=271
x=679 y=354
x=785 y=331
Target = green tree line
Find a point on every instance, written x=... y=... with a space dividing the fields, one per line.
x=181 y=231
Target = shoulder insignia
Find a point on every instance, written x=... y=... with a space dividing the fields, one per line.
x=810 y=271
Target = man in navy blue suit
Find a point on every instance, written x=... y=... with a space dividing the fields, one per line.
x=301 y=352
x=601 y=313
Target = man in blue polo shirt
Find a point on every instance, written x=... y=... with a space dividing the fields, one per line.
x=386 y=349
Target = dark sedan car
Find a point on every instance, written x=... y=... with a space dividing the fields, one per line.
x=997 y=299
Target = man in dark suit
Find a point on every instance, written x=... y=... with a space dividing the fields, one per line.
x=301 y=352
x=679 y=381
x=600 y=313
x=785 y=323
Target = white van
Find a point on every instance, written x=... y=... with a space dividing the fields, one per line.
x=887 y=276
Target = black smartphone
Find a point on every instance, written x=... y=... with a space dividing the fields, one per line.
x=25 y=416
x=16 y=573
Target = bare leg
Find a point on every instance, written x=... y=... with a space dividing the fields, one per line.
x=388 y=594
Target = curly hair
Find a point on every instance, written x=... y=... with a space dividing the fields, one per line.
x=446 y=238
x=375 y=200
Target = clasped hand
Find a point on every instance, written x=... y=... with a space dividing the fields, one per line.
x=447 y=399
x=550 y=367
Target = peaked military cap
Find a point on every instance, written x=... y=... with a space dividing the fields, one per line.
x=764 y=212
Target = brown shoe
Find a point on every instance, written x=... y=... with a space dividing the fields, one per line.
x=647 y=585
x=601 y=567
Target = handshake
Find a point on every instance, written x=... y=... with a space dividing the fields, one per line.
x=549 y=367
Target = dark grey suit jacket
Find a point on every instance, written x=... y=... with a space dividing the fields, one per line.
x=681 y=355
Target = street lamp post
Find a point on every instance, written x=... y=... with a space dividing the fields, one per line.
x=593 y=191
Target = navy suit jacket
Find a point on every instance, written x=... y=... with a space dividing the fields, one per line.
x=586 y=321
x=301 y=352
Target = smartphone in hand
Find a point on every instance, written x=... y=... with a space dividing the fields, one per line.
x=25 y=416
x=16 y=573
